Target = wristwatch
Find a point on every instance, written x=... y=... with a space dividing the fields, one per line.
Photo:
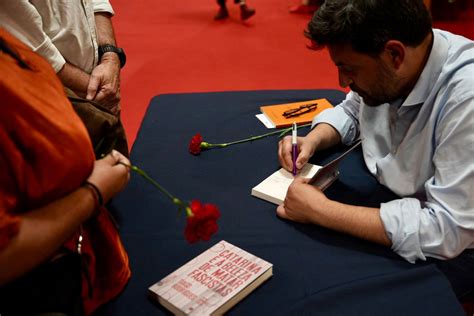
x=111 y=48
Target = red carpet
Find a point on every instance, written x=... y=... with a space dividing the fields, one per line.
x=176 y=46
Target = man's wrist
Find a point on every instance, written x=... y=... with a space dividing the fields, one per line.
x=106 y=50
x=111 y=57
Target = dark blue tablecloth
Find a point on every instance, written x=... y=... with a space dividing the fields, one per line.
x=316 y=271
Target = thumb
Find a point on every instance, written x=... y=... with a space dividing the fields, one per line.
x=112 y=158
x=92 y=87
x=299 y=179
x=281 y=211
x=302 y=159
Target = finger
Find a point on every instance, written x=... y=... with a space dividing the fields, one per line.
x=92 y=87
x=287 y=155
x=111 y=158
x=280 y=154
x=102 y=97
x=108 y=98
x=303 y=157
x=298 y=180
x=281 y=211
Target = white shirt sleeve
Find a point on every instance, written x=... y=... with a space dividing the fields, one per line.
x=343 y=117
x=102 y=6
x=443 y=226
x=29 y=30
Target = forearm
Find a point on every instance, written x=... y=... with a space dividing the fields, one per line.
x=358 y=221
x=105 y=34
x=324 y=136
x=105 y=30
x=43 y=231
x=75 y=79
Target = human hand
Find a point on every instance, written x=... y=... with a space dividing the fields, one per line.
x=302 y=202
x=104 y=83
x=306 y=150
x=110 y=175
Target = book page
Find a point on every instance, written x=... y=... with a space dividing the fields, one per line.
x=274 y=188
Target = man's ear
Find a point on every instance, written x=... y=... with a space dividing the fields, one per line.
x=395 y=52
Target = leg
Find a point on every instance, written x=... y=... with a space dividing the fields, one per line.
x=222 y=13
x=245 y=11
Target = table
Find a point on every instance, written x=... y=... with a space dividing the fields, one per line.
x=316 y=271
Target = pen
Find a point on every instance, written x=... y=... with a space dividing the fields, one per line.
x=294 y=147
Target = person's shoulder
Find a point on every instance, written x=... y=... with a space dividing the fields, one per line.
x=458 y=66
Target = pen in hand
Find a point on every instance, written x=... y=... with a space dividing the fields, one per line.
x=294 y=146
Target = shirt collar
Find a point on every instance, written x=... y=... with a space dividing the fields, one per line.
x=429 y=75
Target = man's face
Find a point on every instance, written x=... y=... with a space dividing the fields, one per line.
x=373 y=78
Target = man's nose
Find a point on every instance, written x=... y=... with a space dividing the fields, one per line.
x=344 y=80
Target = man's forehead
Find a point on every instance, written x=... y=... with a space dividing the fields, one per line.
x=344 y=54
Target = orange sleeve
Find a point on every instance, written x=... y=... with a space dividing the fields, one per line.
x=45 y=151
x=9 y=223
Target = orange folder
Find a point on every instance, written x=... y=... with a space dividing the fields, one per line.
x=275 y=112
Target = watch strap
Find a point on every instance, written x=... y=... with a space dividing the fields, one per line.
x=109 y=48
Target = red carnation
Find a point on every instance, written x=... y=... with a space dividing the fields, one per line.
x=202 y=223
x=195 y=144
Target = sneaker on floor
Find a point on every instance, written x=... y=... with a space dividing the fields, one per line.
x=221 y=14
x=246 y=12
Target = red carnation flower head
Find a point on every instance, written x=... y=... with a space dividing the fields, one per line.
x=202 y=221
x=197 y=144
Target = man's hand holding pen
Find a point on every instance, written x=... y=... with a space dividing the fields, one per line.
x=305 y=150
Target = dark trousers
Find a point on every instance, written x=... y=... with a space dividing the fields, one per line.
x=51 y=288
x=105 y=129
x=460 y=273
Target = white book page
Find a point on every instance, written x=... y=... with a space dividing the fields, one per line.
x=274 y=188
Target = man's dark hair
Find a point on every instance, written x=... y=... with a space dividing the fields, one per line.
x=368 y=24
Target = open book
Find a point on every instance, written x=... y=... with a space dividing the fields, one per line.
x=213 y=282
x=273 y=189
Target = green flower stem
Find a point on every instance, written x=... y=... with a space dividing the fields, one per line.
x=154 y=183
x=281 y=131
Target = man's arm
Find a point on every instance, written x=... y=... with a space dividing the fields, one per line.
x=104 y=83
x=305 y=203
x=75 y=79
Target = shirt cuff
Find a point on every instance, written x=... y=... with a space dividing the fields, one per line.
x=337 y=118
x=103 y=6
x=401 y=224
x=52 y=54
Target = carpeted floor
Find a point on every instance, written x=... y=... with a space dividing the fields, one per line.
x=176 y=46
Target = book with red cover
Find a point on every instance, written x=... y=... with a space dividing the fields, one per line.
x=213 y=282
x=275 y=112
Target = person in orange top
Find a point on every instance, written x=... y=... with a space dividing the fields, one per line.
x=54 y=228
